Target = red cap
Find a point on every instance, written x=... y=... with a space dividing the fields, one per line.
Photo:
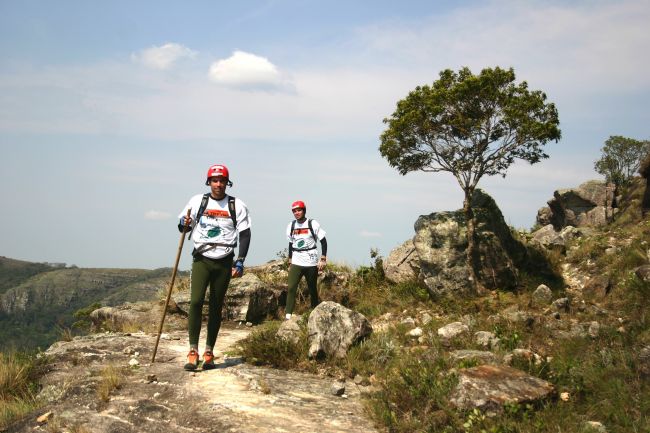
x=298 y=204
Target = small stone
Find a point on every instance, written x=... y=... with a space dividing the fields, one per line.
x=564 y=396
x=249 y=324
x=134 y=362
x=361 y=380
x=594 y=426
x=152 y=378
x=415 y=333
x=338 y=388
x=156 y=394
x=165 y=337
x=45 y=417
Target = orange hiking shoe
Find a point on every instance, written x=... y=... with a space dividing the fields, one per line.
x=208 y=360
x=192 y=360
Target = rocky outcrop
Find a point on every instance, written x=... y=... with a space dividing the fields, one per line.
x=123 y=316
x=333 y=329
x=402 y=264
x=589 y=205
x=441 y=242
x=490 y=387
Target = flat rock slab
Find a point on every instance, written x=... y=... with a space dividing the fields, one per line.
x=162 y=397
x=489 y=387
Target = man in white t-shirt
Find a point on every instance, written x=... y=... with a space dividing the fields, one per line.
x=303 y=234
x=217 y=220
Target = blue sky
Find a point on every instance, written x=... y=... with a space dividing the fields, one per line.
x=111 y=113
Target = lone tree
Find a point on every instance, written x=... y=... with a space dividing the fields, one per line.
x=470 y=126
x=621 y=158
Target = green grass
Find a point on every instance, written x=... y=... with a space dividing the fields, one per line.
x=19 y=373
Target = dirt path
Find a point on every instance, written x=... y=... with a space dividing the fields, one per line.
x=162 y=397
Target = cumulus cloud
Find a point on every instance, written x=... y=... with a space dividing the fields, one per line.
x=247 y=71
x=367 y=234
x=156 y=215
x=164 y=56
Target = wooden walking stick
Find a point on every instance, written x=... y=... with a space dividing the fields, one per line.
x=171 y=284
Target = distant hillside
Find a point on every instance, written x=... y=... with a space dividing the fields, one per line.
x=14 y=272
x=38 y=301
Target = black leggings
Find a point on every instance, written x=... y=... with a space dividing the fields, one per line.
x=295 y=273
x=215 y=272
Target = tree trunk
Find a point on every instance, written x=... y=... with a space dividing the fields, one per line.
x=473 y=261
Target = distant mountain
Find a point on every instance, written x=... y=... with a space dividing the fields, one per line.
x=38 y=300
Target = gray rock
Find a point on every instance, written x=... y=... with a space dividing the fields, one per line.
x=402 y=264
x=643 y=273
x=122 y=316
x=486 y=339
x=290 y=329
x=483 y=357
x=590 y=205
x=441 y=241
x=550 y=238
x=561 y=304
x=597 y=287
x=489 y=387
x=332 y=329
x=593 y=427
x=542 y=296
x=452 y=330
x=338 y=388
x=522 y=355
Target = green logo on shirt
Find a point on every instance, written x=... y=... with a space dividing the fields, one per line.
x=214 y=232
x=301 y=243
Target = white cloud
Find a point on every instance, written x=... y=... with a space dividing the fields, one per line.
x=245 y=70
x=367 y=234
x=164 y=56
x=156 y=215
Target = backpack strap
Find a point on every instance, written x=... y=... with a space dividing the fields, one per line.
x=311 y=229
x=204 y=204
x=293 y=226
x=233 y=212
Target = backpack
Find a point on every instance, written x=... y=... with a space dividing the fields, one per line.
x=311 y=229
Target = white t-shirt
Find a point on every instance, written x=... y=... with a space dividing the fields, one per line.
x=214 y=233
x=303 y=244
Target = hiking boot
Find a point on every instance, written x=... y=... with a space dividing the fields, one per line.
x=208 y=360
x=192 y=360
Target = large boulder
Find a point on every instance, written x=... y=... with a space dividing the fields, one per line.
x=332 y=329
x=125 y=316
x=441 y=242
x=589 y=205
x=402 y=264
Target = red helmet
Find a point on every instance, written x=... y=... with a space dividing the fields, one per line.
x=299 y=204
x=217 y=170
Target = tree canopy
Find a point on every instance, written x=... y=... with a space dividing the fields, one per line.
x=621 y=158
x=469 y=125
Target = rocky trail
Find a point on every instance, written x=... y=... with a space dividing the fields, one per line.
x=162 y=397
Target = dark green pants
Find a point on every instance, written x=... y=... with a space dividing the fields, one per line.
x=216 y=273
x=311 y=275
